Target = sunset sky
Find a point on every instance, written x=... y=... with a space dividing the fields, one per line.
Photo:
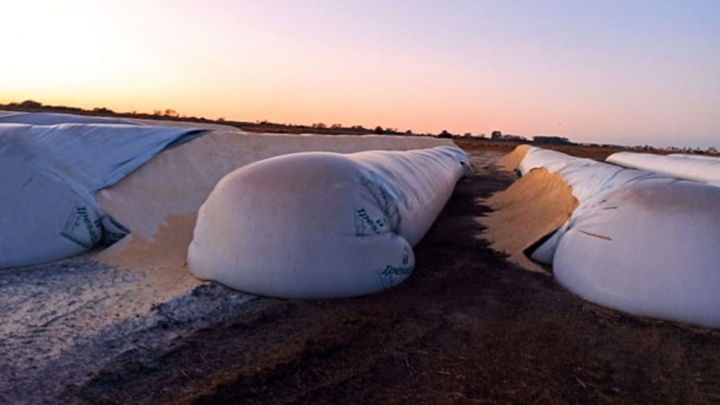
x=611 y=71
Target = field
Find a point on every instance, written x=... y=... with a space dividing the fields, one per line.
x=468 y=327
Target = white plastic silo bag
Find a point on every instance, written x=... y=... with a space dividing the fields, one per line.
x=651 y=248
x=586 y=177
x=42 y=218
x=319 y=225
x=48 y=177
x=704 y=169
x=639 y=241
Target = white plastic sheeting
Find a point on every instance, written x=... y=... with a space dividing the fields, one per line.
x=640 y=242
x=650 y=249
x=704 y=169
x=320 y=225
x=14 y=117
x=5 y=115
x=11 y=117
x=182 y=178
x=49 y=175
x=587 y=178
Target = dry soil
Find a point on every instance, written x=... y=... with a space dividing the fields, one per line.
x=468 y=327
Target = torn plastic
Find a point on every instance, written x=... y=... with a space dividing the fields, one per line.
x=640 y=242
x=49 y=175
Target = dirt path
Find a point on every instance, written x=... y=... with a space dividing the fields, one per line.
x=467 y=327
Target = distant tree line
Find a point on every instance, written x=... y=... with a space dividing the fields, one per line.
x=172 y=114
x=537 y=139
x=320 y=128
x=551 y=140
x=266 y=126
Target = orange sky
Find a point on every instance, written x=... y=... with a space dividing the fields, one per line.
x=620 y=72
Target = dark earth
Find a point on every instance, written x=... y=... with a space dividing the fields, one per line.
x=466 y=328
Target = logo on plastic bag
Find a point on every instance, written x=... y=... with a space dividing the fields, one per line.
x=386 y=200
x=392 y=275
x=365 y=224
x=80 y=228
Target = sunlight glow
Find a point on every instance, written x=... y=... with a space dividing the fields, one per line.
x=594 y=71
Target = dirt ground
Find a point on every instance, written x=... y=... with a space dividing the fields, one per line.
x=466 y=328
